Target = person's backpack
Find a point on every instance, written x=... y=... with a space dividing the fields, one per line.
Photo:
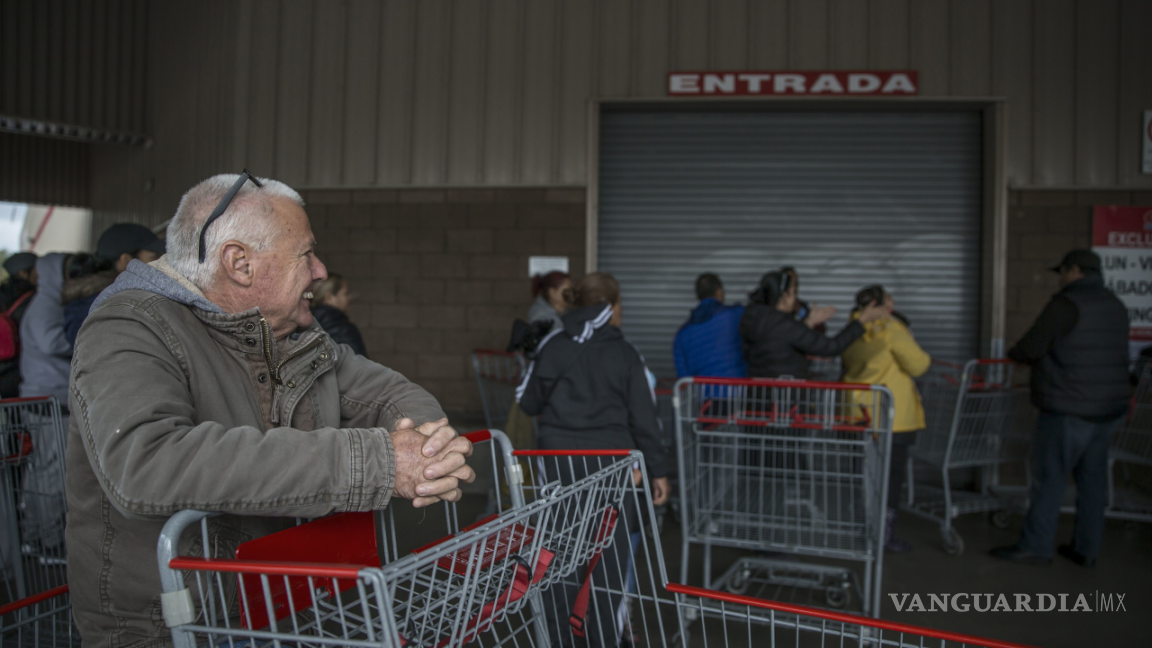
x=10 y=330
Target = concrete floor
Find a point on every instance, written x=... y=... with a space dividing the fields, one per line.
x=1125 y=568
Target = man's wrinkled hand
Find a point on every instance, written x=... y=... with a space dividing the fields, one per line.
x=430 y=462
x=438 y=433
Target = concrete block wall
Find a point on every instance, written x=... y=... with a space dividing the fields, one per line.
x=1042 y=226
x=441 y=272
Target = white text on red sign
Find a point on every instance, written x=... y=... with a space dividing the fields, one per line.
x=824 y=83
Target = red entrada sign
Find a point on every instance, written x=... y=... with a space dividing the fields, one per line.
x=819 y=82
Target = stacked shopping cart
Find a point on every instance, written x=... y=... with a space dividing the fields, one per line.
x=572 y=560
x=36 y=609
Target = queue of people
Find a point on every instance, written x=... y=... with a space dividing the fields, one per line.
x=1077 y=350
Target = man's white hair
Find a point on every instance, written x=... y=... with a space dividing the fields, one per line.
x=250 y=218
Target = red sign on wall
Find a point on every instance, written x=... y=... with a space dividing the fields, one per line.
x=1122 y=236
x=792 y=82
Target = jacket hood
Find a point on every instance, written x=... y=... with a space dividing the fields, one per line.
x=84 y=287
x=706 y=310
x=50 y=270
x=583 y=322
x=160 y=278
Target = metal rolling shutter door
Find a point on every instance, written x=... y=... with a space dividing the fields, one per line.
x=849 y=199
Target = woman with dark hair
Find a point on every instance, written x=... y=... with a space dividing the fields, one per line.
x=777 y=344
x=553 y=293
x=592 y=391
x=330 y=301
x=888 y=355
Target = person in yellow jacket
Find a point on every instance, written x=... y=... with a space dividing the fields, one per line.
x=888 y=355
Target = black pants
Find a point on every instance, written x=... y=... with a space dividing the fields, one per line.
x=898 y=467
x=1068 y=444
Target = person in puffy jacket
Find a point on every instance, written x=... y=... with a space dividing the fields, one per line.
x=592 y=391
x=45 y=352
x=776 y=344
x=708 y=344
x=1078 y=352
x=887 y=354
x=330 y=301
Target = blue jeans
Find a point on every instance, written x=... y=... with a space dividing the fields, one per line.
x=1068 y=444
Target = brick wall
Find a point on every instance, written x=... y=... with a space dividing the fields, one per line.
x=441 y=272
x=1042 y=226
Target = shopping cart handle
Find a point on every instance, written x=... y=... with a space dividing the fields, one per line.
x=34 y=599
x=803 y=610
x=477 y=436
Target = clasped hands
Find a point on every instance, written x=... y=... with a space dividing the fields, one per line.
x=430 y=462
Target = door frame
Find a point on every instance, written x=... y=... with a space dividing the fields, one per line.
x=994 y=185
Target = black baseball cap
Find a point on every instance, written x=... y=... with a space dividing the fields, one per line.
x=1084 y=259
x=20 y=262
x=127 y=238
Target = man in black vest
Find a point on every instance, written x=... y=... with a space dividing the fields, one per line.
x=1078 y=350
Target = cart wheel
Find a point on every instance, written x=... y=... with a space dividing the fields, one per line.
x=953 y=543
x=1001 y=519
x=836 y=597
x=738 y=582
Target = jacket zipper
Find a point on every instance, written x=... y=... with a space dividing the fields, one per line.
x=273 y=368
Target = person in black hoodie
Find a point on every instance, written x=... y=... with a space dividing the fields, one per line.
x=592 y=390
x=330 y=301
x=776 y=344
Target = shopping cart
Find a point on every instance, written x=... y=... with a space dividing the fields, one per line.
x=970 y=413
x=1132 y=446
x=36 y=609
x=521 y=579
x=786 y=466
x=733 y=620
x=498 y=373
x=513 y=579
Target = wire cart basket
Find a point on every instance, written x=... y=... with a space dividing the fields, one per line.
x=36 y=610
x=1132 y=446
x=971 y=417
x=786 y=466
x=497 y=375
x=512 y=579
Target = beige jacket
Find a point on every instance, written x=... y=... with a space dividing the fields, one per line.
x=177 y=405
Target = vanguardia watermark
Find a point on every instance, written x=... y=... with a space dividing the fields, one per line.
x=971 y=602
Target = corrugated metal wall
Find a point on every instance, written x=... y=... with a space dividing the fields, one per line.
x=75 y=62
x=42 y=170
x=494 y=92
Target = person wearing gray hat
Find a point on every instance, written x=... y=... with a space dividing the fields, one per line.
x=118 y=246
x=1078 y=351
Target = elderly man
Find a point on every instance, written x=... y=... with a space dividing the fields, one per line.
x=200 y=381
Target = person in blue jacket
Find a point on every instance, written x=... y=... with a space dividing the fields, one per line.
x=708 y=344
